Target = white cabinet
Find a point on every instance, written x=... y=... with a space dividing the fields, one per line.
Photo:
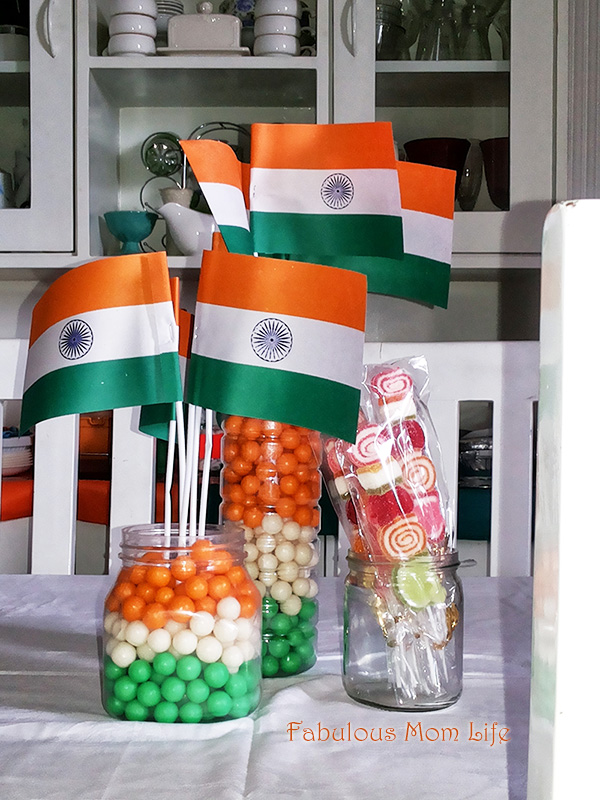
x=36 y=120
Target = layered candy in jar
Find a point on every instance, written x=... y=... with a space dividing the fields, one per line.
x=271 y=484
x=182 y=629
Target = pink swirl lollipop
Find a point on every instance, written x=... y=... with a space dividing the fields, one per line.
x=402 y=539
x=394 y=384
x=365 y=452
x=418 y=473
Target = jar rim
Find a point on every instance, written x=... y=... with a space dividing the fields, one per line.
x=437 y=561
x=153 y=536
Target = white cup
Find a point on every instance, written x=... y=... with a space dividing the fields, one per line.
x=277 y=23
x=276 y=44
x=146 y=7
x=292 y=8
x=132 y=23
x=131 y=44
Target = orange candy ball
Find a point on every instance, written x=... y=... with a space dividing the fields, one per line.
x=286 y=464
x=158 y=576
x=183 y=568
x=219 y=587
x=133 y=608
x=155 y=616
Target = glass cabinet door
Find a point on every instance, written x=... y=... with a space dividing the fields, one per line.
x=465 y=86
x=36 y=126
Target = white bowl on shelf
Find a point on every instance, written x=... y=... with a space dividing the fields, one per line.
x=292 y=8
x=276 y=44
x=17 y=455
x=132 y=23
x=277 y=23
x=131 y=44
x=146 y=7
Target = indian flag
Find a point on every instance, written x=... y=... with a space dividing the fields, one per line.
x=221 y=178
x=103 y=336
x=328 y=189
x=279 y=340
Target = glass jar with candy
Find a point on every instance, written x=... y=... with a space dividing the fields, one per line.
x=182 y=628
x=271 y=484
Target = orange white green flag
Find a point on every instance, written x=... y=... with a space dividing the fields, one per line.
x=221 y=179
x=327 y=189
x=103 y=336
x=279 y=340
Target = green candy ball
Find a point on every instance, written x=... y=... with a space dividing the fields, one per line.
x=114 y=706
x=270 y=607
x=164 y=663
x=306 y=652
x=295 y=638
x=190 y=712
x=149 y=694
x=308 y=610
x=236 y=685
x=270 y=666
x=188 y=668
x=307 y=629
x=197 y=691
x=166 y=712
x=216 y=675
x=278 y=647
x=240 y=707
x=173 y=689
x=125 y=689
x=139 y=671
x=135 y=711
x=290 y=663
x=281 y=624
x=219 y=704
x=111 y=670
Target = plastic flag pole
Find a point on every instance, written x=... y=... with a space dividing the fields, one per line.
x=195 y=447
x=208 y=431
x=181 y=453
x=169 y=478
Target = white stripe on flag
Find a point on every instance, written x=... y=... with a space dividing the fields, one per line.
x=119 y=332
x=307 y=191
x=227 y=204
x=316 y=347
x=427 y=235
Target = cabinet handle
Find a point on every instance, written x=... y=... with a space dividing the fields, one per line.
x=348 y=26
x=47 y=24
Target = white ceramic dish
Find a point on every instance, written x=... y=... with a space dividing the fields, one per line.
x=292 y=8
x=147 y=7
x=182 y=51
x=131 y=44
x=132 y=23
x=276 y=44
x=204 y=31
x=277 y=23
x=14 y=47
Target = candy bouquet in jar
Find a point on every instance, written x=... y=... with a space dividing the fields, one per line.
x=390 y=495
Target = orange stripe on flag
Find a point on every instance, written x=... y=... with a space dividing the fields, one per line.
x=175 y=296
x=363 y=145
x=134 y=280
x=283 y=287
x=213 y=162
x=426 y=189
x=186 y=325
x=246 y=183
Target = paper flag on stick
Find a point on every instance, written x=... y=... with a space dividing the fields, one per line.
x=279 y=340
x=103 y=336
x=329 y=189
x=221 y=178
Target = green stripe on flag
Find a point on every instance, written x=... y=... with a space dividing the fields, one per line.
x=267 y=393
x=238 y=240
x=330 y=234
x=102 y=385
x=413 y=278
x=154 y=420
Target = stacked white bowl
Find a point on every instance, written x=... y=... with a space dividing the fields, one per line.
x=277 y=27
x=132 y=28
x=166 y=10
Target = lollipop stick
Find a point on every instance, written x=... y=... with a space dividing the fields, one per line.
x=169 y=478
x=208 y=430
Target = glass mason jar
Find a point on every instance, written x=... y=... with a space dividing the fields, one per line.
x=403 y=632
x=271 y=484
x=182 y=628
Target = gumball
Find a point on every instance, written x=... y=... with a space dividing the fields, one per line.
x=185 y=642
x=124 y=654
x=202 y=623
x=136 y=633
x=209 y=649
x=292 y=605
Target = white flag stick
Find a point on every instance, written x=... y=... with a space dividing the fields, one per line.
x=195 y=445
x=169 y=479
x=208 y=429
x=181 y=453
x=187 y=479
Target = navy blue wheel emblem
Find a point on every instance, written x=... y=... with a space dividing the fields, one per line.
x=337 y=191
x=75 y=340
x=271 y=339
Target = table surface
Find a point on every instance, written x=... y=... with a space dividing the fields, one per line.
x=56 y=742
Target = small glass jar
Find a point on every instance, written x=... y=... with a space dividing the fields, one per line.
x=403 y=632
x=182 y=628
x=271 y=484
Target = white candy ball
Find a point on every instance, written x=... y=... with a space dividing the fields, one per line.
x=174 y=627
x=261 y=587
x=268 y=578
x=291 y=606
x=145 y=652
x=124 y=654
x=233 y=658
x=313 y=588
x=136 y=633
x=314 y=560
x=159 y=640
x=110 y=645
x=252 y=552
x=304 y=554
x=288 y=571
x=248 y=533
x=252 y=569
x=301 y=587
x=209 y=649
x=202 y=623
x=109 y=620
x=185 y=642
x=307 y=534
x=272 y=523
x=174 y=652
x=285 y=552
x=248 y=649
x=118 y=629
x=268 y=561
x=291 y=530
x=245 y=628
x=280 y=591
x=225 y=631
x=228 y=608
x=266 y=543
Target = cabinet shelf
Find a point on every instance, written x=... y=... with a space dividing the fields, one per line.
x=14 y=83
x=442 y=88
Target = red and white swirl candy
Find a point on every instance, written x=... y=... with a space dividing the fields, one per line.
x=402 y=538
x=418 y=473
x=428 y=511
x=370 y=448
x=393 y=384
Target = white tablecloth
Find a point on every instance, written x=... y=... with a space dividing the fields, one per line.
x=56 y=742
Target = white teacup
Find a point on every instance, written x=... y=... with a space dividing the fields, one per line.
x=147 y=7
x=131 y=44
x=190 y=230
x=132 y=23
x=293 y=8
x=277 y=23
x=275 y=44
